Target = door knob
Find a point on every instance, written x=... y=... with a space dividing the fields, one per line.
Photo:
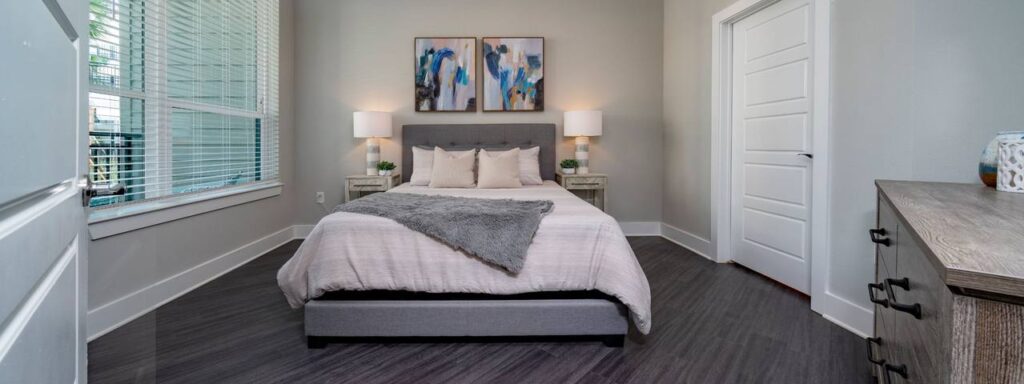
x=91 y=190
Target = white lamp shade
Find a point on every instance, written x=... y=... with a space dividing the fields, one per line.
x=582 y=123
x=371 y=124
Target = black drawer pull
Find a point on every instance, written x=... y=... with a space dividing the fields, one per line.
x=913 y=309
x=899 y=369
x=366 y=185
x=871 y=294
x=871 y=351
x=585 y=184
x=878 y=236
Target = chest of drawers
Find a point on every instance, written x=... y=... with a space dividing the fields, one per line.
x=949 y=284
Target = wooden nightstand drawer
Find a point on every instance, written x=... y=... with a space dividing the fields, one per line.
x=583 y=182
x=374 y=184
x=355 y=186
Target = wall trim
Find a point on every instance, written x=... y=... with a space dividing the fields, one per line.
x=301 y=231
x=640 y=228
x=694 y=243
x=846 y=314
x=114 y=314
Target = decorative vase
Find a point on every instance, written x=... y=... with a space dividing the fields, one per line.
x=988 y=167
x=1011 y=165
x=568 y=171
x=381 y=172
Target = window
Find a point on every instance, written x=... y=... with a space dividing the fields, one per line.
x=182 y=96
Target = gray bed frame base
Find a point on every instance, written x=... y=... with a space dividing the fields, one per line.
x=327 y=320
x=331 y=320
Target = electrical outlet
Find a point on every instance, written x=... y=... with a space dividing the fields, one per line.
x=319 y=197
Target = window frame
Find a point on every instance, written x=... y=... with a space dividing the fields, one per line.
x=164 y=205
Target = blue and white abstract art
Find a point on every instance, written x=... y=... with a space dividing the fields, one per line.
x=513 y=73
x=445 y=74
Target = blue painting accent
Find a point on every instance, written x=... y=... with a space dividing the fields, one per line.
x=533 y=61
x=514 y=79
x=443 y=53
x=491 y=60
x=505 y=85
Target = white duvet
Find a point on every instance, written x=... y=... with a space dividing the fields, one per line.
x=577 y=247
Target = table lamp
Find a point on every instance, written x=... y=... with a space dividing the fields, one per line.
x=582 y=125
x=371 y=125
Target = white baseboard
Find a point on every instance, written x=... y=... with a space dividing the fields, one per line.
x=302 y=230
x=112 y=315
x=640 y=228
x=697 y=244
x=846 y=314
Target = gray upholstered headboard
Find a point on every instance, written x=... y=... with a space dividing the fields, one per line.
x=464 y=136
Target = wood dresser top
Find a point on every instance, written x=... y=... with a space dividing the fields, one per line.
x=972 y=234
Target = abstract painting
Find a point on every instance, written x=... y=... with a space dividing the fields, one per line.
x=513 y=74
x=445 y=74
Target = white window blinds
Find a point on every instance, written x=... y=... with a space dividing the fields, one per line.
x=183 y=95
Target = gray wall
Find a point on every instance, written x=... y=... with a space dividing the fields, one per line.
x=357 y=55
x=687 y=106
x=122 y=264
x=918 y=88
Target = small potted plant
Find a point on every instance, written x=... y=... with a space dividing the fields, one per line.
x=384 y=168
x=569 y=166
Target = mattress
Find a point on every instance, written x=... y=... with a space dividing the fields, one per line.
x=577 y=248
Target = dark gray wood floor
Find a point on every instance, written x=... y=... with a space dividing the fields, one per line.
x=713 y=323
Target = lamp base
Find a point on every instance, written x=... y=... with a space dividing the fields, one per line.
x=372 y=156
x=582 y=155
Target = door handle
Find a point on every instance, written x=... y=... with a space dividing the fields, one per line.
x=913 y=309
x=871 y=294
x=807 y=155
x=900 y=369
x=91 y=190
x=878 y=236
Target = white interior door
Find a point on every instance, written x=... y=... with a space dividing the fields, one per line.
x=42 y=247
x=771 y=140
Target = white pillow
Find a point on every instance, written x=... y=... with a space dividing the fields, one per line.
x=423 y=165
x=452 y=169
x=529 y=165
x=499 y=169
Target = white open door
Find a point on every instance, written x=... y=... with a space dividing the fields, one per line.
x=42 y=222
x=771 y=138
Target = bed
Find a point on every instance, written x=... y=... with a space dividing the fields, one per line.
x=360 y=276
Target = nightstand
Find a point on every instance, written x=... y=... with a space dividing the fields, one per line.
x=357 y=186
x=589 y=187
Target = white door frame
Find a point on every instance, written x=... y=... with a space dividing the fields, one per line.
x=721 y=134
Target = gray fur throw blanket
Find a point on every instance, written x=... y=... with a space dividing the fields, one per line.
x=496 y=231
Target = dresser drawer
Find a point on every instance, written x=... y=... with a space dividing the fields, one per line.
x=881 y=347
x=585 y=182
x=921 y=306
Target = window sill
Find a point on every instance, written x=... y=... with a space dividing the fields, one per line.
x=106 y=222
